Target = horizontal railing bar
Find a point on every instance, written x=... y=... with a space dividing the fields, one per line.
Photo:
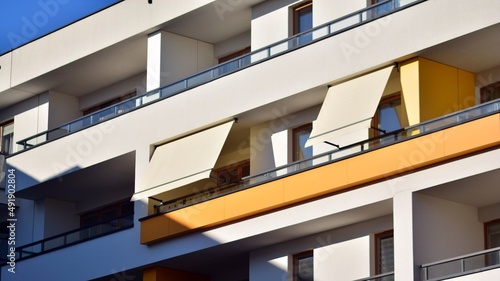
x=26 y=145
x=71 y=232
x=461 y=257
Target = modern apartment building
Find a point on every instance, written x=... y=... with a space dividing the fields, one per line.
x=257 y=140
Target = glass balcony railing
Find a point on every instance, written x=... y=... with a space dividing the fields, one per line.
x=472 y=263
x=73 y=237
x=389 y=276
x=421 y=129
x=316 y=34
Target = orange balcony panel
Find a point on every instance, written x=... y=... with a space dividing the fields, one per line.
x=155 y=229
x=395 y=159
x=197 y=216
x=254 y=200
x=371 y=166
x=316 y=182
x=472 y=136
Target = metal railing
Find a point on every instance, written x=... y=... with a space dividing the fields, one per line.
x=389 y=276
x=282 y=47
x=418 y=130
x=74 y=237
x=463 y=265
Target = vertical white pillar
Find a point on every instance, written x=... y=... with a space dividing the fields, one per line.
x=404 y=268
x=154 y=63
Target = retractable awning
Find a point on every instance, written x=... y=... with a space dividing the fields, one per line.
x=349 y=107
x=183 y=161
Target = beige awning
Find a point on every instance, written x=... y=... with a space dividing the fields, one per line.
x=349 y=108
x=183 y=161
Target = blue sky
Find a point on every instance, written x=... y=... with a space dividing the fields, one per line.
x=22 y=21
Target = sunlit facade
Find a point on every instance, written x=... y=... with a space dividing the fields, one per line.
x=255 y=140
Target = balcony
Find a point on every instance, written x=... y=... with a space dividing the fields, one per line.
x=464 y=265
x=72 y=237
x=444 y=138
x=317 y=34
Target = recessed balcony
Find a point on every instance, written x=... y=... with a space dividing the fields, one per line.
x=412 y=148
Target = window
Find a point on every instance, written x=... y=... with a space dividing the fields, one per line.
x=384 y=251
x=388 y=115
x=383 y=8
x=7 y=137
x=303 y=266
x=303 y=21
x=300 y=137
x=234 y=55
x=490 y=92
x=492 y=240
x=109 y=103
x=232 y=174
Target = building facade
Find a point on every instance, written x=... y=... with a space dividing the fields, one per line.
x=255 y=140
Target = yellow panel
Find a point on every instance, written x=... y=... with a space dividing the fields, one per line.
x=410 y=91
x=154 y=229
x=395 y=159
x=257 y=199
x=466 y=91
x=200 y=215
x=472 y=136
x=438 y=89
x=315 y=182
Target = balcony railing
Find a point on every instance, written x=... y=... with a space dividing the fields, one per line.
x=389 y=276
x=463 y=265
x=282 y=47
x=73 y=237
x=421 y=129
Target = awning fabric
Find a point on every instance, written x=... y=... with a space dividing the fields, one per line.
x=183 y=161
x=349 y=107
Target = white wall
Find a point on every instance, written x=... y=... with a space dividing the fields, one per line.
x=328 y=10
x=137 y=83
x=271 y=142
x=348 y=260
x=5 y=66
x=443 y=229
x=231 y=45
x=270 y=22
x=173 y=57
x=62 y=109
x=60 y=217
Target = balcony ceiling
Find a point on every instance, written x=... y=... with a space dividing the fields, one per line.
x=484 y=193
x=475 y=52
x=114 y=177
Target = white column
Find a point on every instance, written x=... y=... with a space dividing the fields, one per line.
x=154 y=63
x=404 y=268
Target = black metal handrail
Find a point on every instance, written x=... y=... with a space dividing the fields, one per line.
x=292 y=43
x=424 y=128
x=462 y=265
x=74 y=237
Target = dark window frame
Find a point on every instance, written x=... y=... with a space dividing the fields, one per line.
x=295 y=144
x=239 y=168
x=297 y=13
x=109 y=102
x=378 y=254
x=11 y=145
x=296 y=259
x=484 y=94
x=376 y=117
